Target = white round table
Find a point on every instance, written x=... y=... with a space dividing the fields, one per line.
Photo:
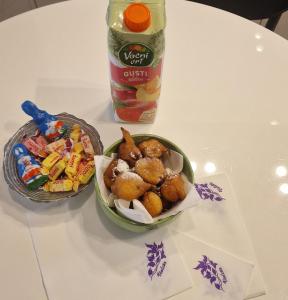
x=223 y=101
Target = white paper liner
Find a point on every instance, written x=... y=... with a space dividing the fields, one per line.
x=174 y=162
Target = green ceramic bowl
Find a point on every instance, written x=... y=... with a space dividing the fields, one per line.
x=129 y=224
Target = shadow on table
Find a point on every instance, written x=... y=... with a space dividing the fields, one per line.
x=18 y=206
x=90 y=101
x=9 y=205
x=110 y=229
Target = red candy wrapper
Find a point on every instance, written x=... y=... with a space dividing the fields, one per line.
x=34 y=148
x=41 y=141
x=87 y=145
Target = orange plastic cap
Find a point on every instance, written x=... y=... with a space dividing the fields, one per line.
x=137 y=17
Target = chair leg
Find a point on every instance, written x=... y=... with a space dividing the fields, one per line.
x=273 y=21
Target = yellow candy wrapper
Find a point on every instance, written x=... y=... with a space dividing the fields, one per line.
x=50 y=160
x=86 y=172
x=44 y=171
x=60 y=185
x=76 y=184
x=46 y=187
x=72 y=165
x=78 y=148
x=57 y=169
x=75 y=133
x=57 y=146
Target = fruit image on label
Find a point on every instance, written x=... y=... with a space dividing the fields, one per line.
x=135 y=111
x=150 y=91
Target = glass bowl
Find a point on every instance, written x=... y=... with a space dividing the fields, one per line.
x=9 y=163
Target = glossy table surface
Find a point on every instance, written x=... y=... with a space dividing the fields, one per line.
x=223 y=101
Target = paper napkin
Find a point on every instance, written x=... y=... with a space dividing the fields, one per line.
x=217 y=221
x=217 y=275
x=84 y=256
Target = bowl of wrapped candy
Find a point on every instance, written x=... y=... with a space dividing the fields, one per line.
x=51 y=157
x=143 y=181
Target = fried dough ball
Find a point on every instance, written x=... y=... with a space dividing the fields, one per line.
x=128 y=151
x=116 y=167
x=109 y=175
x=129 y=186
x=153 y=204
x=150 y=169
x=173 y=188
x=152 y=148
x=166 y=204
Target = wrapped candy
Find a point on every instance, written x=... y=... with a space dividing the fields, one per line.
x=78 y=148
x=44 y=171
x=60 y=185
x=87 y=145
x=75 y=133
x=51 y=160
x=41 y=141
x=76 y=184
x=28 y=168
x=57 y=146
x=49 y=125
x=66 y=153
x=57 y=169
x=86 y=172
x=34 y=148
x=72 y=165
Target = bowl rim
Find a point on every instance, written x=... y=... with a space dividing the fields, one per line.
x=62 y=196
x=122 y=218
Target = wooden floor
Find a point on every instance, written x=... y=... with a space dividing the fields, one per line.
x=10 y=8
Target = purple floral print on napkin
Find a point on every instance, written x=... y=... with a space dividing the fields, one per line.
x=209 y=191
x=212 y=272
x=156 y=259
